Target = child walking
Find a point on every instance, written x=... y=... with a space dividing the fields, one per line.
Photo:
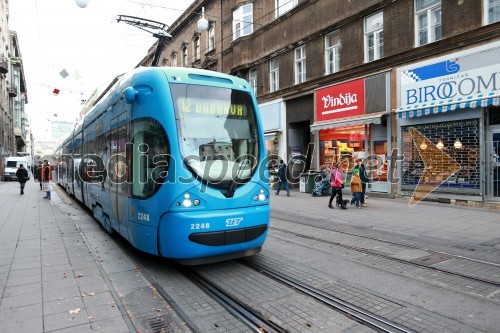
x=356 y=188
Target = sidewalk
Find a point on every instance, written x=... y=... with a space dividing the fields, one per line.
x=475 y=226
x=49 y=280
x=61 y=272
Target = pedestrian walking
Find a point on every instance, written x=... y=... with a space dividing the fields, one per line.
x=283 y=178
x=356 y=188
x=38 y=173
x=22 y=176
x=364 y=180
x=46 y=178
x=337 y=185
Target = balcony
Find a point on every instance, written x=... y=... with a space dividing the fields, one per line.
x=12 y=89
x=4 y=65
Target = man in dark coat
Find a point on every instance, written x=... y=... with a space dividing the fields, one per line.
x=38 y=173
x=283 y=178
x=364 y=180
x=22 y=176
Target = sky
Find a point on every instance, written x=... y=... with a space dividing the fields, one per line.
x=88 y=43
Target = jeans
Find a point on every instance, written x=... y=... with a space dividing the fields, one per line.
x=287 y=188
x=357 y=198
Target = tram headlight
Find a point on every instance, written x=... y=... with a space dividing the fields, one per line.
x=187 y=201
x=196 y=202
x=261 y=196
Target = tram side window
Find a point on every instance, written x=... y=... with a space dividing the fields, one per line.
x=150 y=158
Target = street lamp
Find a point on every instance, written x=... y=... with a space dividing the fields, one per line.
x=202 y=22
x=82 y=3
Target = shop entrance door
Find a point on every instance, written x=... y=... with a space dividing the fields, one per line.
x=378 y=168
x=493 y=163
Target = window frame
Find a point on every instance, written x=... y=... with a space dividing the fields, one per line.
x=486 y=6
x=185 y=57
x=299 y=64
x=211 y=38
x=239 y=20
x=197 y=48
x=174 y=60
x=288 y=6
x=431 y=29
x=274 y=75
x=335 y=50
x=375 y=33
x=252 y=79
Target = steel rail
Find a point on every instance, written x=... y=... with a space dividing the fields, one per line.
x=365 y=317
x=247 y=315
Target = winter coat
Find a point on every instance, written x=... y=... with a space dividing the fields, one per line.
x=336 y=178
x=362 y=174
x=38 y=172
x=47 y=172
x=22 y=175
x=355 y=183
x=282 y=172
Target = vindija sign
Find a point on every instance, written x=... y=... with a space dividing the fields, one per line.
x=340 y=101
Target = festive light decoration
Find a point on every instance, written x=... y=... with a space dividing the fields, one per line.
x=423 y=145
x=82 y=3
x=56 y=91
x=440 y=144
x=457 y=144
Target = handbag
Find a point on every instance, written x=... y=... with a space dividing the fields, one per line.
x=46 y=186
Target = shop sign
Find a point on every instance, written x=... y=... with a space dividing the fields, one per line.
x=474 y=73
x=341 y=100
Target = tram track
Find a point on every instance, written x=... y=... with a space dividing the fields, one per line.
x=446 y=256
x=362 y=316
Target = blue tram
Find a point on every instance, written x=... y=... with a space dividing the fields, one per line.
x=173 y=159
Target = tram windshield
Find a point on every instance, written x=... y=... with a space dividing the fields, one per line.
x=218 y=134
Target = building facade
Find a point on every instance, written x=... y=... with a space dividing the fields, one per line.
x=339 y=81
x=13 y=119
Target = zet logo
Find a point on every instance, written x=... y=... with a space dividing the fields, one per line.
x=234 y=222
x=438 y=167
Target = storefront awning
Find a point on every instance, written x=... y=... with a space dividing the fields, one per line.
x=372 y=118
x=426 y=109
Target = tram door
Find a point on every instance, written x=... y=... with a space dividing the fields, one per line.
x=118 y=174
x=493 y=164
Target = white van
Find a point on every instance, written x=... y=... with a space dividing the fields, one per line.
x=12 y=164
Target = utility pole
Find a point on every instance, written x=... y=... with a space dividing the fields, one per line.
x=156 y=29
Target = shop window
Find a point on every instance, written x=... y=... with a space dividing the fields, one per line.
x=445 y=135
x=336 y=143
x=427 y=21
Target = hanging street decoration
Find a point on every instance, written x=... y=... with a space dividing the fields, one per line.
x=56 y=91
x=64 y=73
x=82 y=3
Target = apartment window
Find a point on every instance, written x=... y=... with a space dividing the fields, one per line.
x=211 y=38
x=332 y=52
x=491 y=11
x=300 y=64
x=283 y=6
x=197 y=48
x=174 y=60
x=243 y=21
x=274 y=75
x=185 y=57
x=427 y=21
x=374 y=37
x=252 y=79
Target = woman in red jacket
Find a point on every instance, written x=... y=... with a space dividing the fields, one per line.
x=47 y=177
